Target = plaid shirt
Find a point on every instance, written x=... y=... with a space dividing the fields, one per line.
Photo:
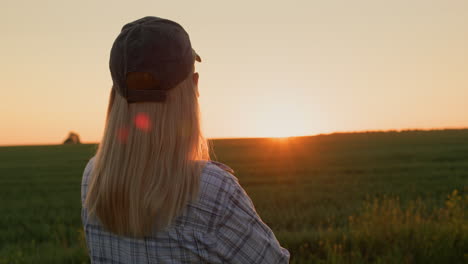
x=222 y=226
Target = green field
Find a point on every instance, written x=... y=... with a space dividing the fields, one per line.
x=394 y=197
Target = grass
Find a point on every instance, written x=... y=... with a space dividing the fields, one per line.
x=394 y=197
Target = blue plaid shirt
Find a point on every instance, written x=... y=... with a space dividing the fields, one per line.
x=222 y=226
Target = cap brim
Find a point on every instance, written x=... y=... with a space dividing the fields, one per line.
x=196 y=56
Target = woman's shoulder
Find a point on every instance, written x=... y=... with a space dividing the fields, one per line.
x=217 y=181
x=85 y=178
x=218 y=172
x=215 y=176
x=212 y=171
x=222 y=166
x=87 y=170
x=90 y=163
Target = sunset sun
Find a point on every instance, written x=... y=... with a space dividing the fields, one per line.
x=282 y=122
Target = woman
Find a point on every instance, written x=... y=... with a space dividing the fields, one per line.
x=151 y=193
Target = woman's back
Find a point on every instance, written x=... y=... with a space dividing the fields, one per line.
x=221 y=226
x=151 y=193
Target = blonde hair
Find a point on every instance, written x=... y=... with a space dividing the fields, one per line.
x=148 y=165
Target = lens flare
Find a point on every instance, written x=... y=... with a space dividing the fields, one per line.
x=122 y=134
x=142 y=122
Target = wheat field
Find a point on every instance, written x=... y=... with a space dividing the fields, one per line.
x=380 y=197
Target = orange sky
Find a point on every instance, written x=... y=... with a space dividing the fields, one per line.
x=270 y=68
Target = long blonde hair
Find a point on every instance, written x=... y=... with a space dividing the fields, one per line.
x=148 y=165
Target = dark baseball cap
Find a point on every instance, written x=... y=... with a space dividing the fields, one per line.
x=153 y=45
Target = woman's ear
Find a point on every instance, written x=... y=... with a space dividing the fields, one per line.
x=195 y=81
x=195 y=78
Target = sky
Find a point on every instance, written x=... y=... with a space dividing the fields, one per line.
x=270 y=68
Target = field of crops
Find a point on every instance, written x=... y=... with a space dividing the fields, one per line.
x=394 y=197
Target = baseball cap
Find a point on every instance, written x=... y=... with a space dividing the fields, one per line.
x=153 y=45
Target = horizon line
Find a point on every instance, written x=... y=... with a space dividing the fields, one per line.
x=309 y=135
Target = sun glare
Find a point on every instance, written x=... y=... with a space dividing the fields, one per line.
x=281 y=123
x=281 y=134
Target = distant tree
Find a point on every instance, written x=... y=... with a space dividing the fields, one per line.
x=73 y=138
